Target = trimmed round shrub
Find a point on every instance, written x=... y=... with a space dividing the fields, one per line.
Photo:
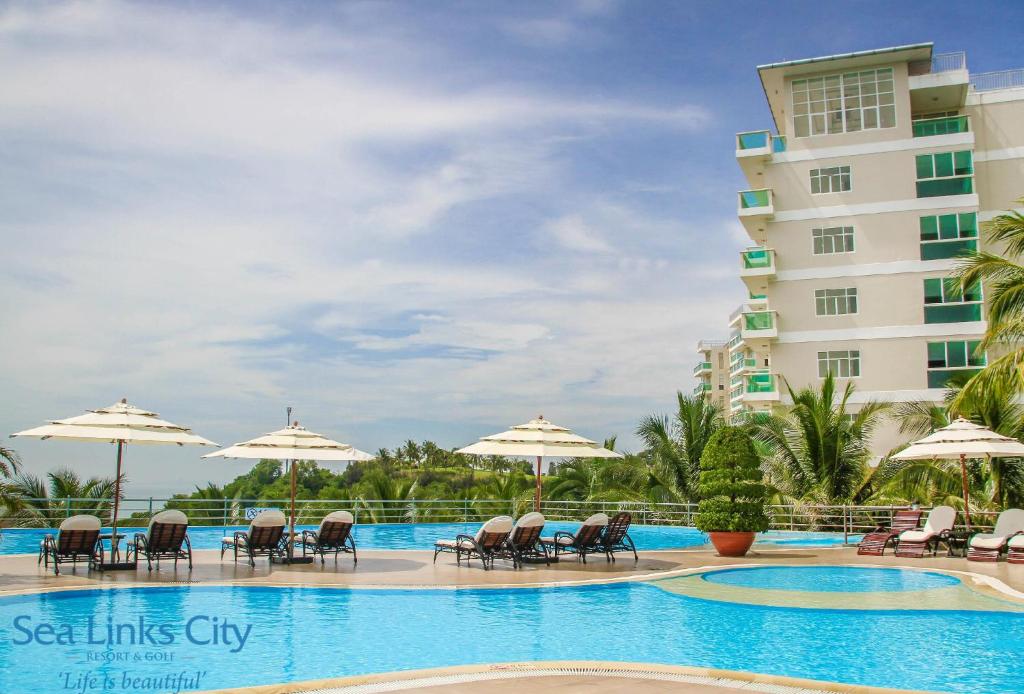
x=732 y=490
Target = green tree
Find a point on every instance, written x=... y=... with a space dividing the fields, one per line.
x=45 y=503
x=817 y=450
x=731 y=486
x=1002 y=277
x=677 y=442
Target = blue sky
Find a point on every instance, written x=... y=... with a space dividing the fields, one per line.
x=406 y=220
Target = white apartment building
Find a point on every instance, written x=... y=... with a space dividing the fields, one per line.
x=712 y=372
x=882 y=165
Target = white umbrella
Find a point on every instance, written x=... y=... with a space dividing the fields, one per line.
x=292 y=443
x=538 y=439
x=963 y=439
x=121 y=424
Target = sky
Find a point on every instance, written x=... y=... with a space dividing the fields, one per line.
x=406 y=220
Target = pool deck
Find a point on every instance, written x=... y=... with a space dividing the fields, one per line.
x=19 y=574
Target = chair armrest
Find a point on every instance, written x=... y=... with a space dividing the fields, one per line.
x=309 y=534
x=562 y=533
x=241 y=534
x=459 y=538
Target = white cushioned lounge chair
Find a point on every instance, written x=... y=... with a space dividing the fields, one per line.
x=263 y=538
x=987 y=546
x=78 y=537
x=485 y=545
x=913 y=543
x=333 y=535
x=166 y=538
x=586 y=540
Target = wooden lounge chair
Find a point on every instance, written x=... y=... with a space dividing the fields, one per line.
x=914 y=543
x=586 y=540
x=166 y=538
x=263 y=538
x=524 y=541
x=1015 y=550
x=333 y=535
x=485 y=545
x=988 y=546
x=78 y=537
x=615 y=537
x=878 y=539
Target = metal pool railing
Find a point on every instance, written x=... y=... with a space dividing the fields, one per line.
x=847 y=519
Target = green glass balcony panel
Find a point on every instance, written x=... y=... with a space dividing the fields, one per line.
x=947 y=249
x=940 y=126
x=779 y=143
x=757 y=258
x=762 y=320
x=757 y=297
x=702 y=366
x=945 y=186
x=755 y=140
x=753 y=199
x=941 y=378
x=952 y=313
x=761 y=383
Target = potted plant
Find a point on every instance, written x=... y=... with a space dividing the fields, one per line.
x=732 y=491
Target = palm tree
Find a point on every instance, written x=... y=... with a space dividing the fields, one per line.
x=384 y=496
x=45 y=503
x=9 y=465
x=677 y=442
x=817 y=450
x=1003 y=279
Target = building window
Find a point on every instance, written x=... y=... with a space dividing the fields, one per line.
x=844 y=103
x=949 y=359
x=832 y=240
x=946 y=303
x=948 y=235
x=835 y=179
x=835 y=302
x=945 y=173
x=843 y=363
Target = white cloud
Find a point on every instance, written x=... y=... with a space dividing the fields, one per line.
x=572 y=233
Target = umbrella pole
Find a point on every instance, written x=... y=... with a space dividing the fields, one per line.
x=536 y=492
x=117 y=498
x=291 y=537
x=967 y=502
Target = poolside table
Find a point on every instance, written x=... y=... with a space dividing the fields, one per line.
x=115 y=562
x=956 y=542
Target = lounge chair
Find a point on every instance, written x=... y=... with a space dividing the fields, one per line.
x=166 y=538
x=486 y=545
x=878 y=539
x=914 y=543
x=78 y=537
x=1015 y=550
x=263 y=538
x=524 y=540
x=333 y=535
x=987 y=546
x=615 y=537
x=586 y=540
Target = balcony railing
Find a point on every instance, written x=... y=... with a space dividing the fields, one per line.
x=952 y=313
x=754 y=199
x=1003 y=79
x=757 y=139
x=937 y=187
x=940 y=126
x=758 y=258
x=701 y=366
x=949 y=62
x=739 y=364
x=760 y=383
x=758 y=320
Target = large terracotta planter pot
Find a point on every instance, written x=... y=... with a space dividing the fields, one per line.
x=730 y=544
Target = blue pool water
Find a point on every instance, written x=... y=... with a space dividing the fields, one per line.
x=831 y=579
x=307 y=633
x=423 y=536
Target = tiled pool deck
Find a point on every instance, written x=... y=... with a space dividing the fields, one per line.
x=985 y=586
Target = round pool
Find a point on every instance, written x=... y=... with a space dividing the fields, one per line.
x=831 y=579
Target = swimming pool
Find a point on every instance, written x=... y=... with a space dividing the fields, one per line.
x=423 y=536
x=830 y=579
x=310 y=633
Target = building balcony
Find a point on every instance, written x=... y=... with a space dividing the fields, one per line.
x=939 y=84
x=950 y=125
x=709 y=345
x=756 y=203
x=758 y=145
x=952 y=313
x=759 y=325
x=702 y=388
x=762 y=386
x=737 y=366
x=757 y=262
x=702 y=367
x=941 y=187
